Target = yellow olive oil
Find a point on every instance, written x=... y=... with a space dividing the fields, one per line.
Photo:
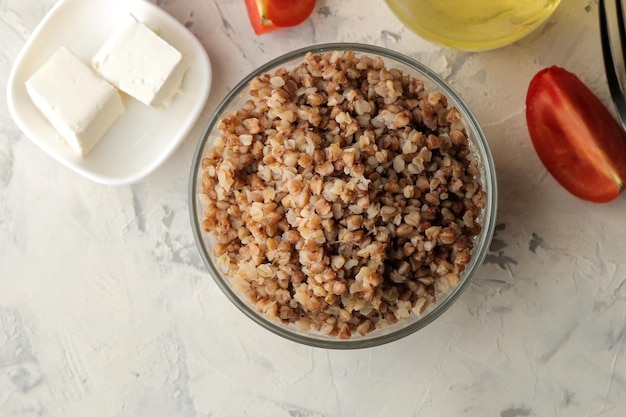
x=473 y=25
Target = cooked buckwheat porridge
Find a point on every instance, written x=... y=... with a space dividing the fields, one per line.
x=342 y=196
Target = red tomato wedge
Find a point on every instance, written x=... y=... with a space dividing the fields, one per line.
x=270 y=15
x=575 y=136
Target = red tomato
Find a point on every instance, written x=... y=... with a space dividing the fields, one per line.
x=270 y=15
x=575 y=136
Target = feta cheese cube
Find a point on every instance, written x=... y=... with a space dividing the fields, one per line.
x=78 y=103
x=141 y=64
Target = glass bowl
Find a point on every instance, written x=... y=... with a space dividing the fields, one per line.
x=478 y=147
x=473 y=25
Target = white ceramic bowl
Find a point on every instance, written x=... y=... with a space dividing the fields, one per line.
x=143 y=137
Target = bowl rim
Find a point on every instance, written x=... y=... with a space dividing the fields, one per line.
x=481 y=243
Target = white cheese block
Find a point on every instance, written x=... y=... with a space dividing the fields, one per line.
x=80 y=105
x=140 y=63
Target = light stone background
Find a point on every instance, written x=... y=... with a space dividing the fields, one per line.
x=107 y=310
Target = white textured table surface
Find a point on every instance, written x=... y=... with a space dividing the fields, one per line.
x=107 y=310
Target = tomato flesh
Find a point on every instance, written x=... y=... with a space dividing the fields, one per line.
x=575 y=136
x=271 y=15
